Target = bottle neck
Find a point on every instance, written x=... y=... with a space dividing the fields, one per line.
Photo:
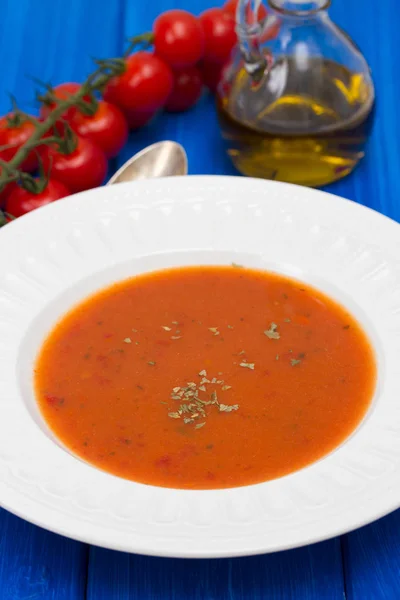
x=299 y=8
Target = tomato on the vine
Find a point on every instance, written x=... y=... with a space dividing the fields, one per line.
x=82 y=169
x=231 y=6
x=219 y=34
x=15 y=131
x=187 y=89
x=178 y=38
x=211 y=73
x=143 y=89
x=61 y=92
x=107 y=128
x=137 y=119
x=22 y=201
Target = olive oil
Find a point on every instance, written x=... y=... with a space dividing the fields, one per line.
x=274 y=131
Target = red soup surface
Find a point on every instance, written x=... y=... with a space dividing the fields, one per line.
x=205 y=377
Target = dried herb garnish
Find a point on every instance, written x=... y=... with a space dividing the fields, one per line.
x=151 y=363
x=214 y=330
x=128 y=341
x=295 y=361
x=228 y=408
x=272 y=332
x=193 y=405
x=247 y=365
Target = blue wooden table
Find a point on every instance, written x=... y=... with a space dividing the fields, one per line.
x=53 y=40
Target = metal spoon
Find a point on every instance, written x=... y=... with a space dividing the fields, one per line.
x=162 y=159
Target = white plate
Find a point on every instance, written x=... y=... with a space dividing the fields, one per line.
x=57 y=255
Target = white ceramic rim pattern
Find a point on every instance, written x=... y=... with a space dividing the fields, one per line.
x=60 y=253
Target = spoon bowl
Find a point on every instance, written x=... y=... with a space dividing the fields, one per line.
x=162 y=159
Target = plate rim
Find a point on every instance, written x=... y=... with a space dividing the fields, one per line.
x=91 y=537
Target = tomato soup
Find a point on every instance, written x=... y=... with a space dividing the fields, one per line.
x=205 y=377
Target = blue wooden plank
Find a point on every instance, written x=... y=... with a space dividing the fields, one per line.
x=52 y=41
x=311 y=573
x=58 y=47
x=39 y=565
x=372 y=560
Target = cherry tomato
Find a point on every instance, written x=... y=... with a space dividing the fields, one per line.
x=143 y=89
x=82 y=169
x=231 y=7
x=62 y=92
x=211 y=73
x=187 y=89
x=14 y=133
x=137 y=119
x=178 y=38
x=107 y=128
x=219 y=34
x=21 y=201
